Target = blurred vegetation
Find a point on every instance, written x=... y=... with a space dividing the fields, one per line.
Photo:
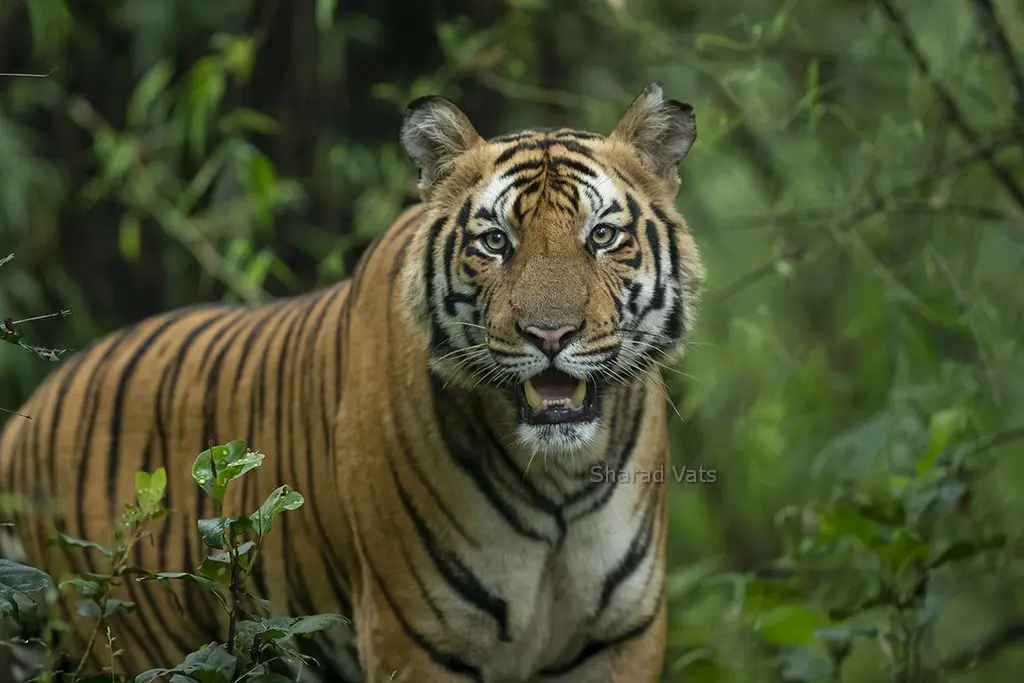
x=857 y=189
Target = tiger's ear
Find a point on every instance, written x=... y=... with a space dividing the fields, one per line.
x=435 y=132
x=661 y=132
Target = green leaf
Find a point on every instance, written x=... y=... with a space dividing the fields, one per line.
x=793 y=624
x=17 y=584
x=65 y=541
x=129 y=236
x=217 y=567
x=904 y=547
x=268 y=677
x=260 y=178
x=89 y=608
x=251 y=633
x=283 y=498
x=121 y=158
x=213 y=531
x=325 y=14
x=302 y=626
x=843 y=521
x=181 y=576
x=118 y=606
x=244 y=120
x=148 y=90
x=85 y=587
x=945 y=426
x=217 y=466
x=210 y=664
x=150 y=489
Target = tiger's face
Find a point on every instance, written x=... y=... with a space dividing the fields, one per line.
x=555 y=266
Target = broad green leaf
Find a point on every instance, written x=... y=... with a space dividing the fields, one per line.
x=268 y=677
x=283 y=498
x=147 y=91
x=213 y=531
x=118 y=606
x=88 y=608
x=904 y=547
x=64 y=541
x=181 y=576
x=844 y=521
x=325 y=14
x=243 y=120
x=945 y=426
x=85 y=587
x=18 y=582
x=251 y=634
x=300 y=626
x=210 y=664
x=792 y=624
x=217 y=466
x=130 y=236
x=150 y=489
x=217 y=567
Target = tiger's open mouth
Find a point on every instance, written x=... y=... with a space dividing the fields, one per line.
x=553 y=397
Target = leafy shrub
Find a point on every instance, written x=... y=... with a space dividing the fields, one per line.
x=253 y=638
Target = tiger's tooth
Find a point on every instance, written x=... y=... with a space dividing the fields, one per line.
x=579 y=394
x=532 y=397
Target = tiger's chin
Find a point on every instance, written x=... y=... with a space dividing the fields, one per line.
x=565 y=439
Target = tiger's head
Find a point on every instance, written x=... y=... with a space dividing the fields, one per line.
x=553 y=265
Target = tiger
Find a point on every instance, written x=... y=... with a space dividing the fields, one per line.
x=461 y=415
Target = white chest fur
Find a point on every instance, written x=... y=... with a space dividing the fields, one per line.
x=592 y=587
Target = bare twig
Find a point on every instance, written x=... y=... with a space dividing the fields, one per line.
x=63 y=313
x=7 y=74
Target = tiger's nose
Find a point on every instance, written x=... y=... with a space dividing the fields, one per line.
x=547 y=340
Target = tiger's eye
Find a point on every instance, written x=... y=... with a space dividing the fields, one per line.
x=496 y=241
x=603 y=235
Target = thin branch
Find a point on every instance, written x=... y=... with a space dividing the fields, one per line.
x=6 y=74
x=953 y=112
x=63 y=313
x=991 y=24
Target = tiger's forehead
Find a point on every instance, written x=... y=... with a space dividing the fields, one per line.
x=557 y=168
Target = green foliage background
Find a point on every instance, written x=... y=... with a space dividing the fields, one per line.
x=857 y=189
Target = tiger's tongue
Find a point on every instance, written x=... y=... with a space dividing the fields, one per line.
x=554 y=388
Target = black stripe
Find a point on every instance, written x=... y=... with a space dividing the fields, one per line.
x=448 y=661
x=596 y=647
x=284 y=449
x=635 y=554
x=456 y=574
x=625 y=447
x=447 y=413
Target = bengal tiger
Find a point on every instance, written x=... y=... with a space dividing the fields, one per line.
x=457 y=414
